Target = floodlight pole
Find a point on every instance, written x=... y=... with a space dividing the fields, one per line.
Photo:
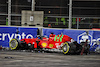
x=33 y=5
x=70 y=14
x=9 y=12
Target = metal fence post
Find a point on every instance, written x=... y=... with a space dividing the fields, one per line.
x=77 y=23
x=70 y=14
x=33 y=5
x=9 y=12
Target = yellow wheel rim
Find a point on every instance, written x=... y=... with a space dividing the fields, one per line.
x=13 y=44
x=65 y=50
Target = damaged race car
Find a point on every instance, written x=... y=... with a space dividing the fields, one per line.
x=61 y=42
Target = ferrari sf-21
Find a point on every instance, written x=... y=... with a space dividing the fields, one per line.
x=61 y=42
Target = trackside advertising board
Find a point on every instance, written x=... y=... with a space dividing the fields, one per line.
x=7 y=33
x=71 y=33
x=95 y=45
x=79 y=36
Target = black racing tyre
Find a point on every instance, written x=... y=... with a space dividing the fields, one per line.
x=14 y=44
x=65 y=48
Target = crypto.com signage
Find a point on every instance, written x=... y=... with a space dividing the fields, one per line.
x=8 y=33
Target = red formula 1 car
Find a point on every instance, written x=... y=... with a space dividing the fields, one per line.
x=61 y=42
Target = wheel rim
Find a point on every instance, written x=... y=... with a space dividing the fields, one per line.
x=65 y=48
x=13 y=44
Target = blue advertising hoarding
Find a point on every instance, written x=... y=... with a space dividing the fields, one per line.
x=74 y=33
x=47 y=32
x=7 y=33
x=71 y=33
x=95 y=40
x=78 y=35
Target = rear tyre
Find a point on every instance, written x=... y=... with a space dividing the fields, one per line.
x=14 y=43
x=65 y=48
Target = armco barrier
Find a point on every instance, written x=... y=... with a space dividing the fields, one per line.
x=7 y=33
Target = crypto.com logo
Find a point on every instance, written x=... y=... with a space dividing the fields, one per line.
x=82 y=38
x=8 y=36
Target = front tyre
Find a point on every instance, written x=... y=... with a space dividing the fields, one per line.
x=65 y=48
x=13 y=44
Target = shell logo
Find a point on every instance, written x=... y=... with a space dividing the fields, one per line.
x=44 y=44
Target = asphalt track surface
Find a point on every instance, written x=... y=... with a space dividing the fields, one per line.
x=29 y=59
